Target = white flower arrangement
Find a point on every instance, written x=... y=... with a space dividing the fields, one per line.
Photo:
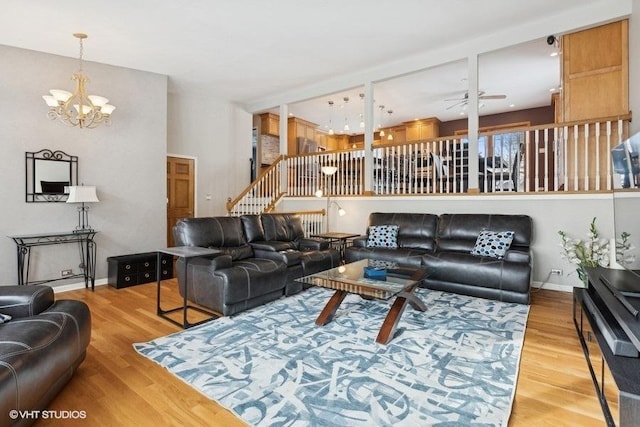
x=624 y=256
x=592 y=252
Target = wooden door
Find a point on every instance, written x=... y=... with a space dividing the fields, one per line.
x=180 y=192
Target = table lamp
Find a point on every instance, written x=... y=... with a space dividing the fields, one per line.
x=82 y=194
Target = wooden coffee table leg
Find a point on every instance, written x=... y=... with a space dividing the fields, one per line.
x=330 y=309
x=388 y=329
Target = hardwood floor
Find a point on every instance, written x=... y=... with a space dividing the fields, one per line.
x=115 y=386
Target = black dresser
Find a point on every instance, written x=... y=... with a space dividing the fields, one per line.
x=609 y=334
x=135 y=269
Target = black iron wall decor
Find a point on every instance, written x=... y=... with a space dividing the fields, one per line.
x=47 y=173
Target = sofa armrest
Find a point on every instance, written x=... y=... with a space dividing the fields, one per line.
x=25 y=301
x=360 y=241
x=271 y=246
x=216 y=263
x=312 y=244
x=517 y=256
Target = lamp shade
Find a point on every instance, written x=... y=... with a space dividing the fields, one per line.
x=82 y=194
x=329 y=170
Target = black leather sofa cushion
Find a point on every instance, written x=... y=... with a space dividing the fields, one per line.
x=459 y=267
x=313 y=244
x=210 y=232
x=273 y=246
x=282 y=227
x=253 y=230
x=287 y=256
x=247 y=283
x=459 y=232
x=236 y=253
x=416 y=230
x=406 y=256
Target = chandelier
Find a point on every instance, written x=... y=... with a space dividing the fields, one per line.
x=78 y=109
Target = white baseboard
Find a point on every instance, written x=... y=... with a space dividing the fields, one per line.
x=552 y=286
x=77 y=286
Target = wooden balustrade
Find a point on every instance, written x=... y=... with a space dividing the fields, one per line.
x=573 y=156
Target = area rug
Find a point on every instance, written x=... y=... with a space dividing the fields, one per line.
x=455 y=364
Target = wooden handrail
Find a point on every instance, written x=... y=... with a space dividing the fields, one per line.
x=232 y=203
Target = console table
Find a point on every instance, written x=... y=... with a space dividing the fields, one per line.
x=86 y=244
x=605 y=327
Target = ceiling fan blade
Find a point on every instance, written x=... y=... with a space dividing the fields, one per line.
x=455 y=99
x=463 y=102
x=492 y=96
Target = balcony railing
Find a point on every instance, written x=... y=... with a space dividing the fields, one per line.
x=557 y=157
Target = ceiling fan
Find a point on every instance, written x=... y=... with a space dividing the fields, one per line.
x=465 y=99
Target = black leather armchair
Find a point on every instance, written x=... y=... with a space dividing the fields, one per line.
x=41 y=348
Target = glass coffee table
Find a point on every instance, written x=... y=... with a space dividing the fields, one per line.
x=399 y=282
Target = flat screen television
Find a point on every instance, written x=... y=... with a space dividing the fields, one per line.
x=626 y=203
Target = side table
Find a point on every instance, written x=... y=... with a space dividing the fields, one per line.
x=336 y=239
x=185 y=252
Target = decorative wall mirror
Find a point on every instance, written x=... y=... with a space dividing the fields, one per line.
x=48 y=173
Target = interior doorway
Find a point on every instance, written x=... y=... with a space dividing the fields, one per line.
x=180 y=192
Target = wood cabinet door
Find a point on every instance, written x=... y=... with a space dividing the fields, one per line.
x=180 y=192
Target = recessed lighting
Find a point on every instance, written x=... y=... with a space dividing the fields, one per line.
x=553 y=54
x=553 y=89
x=462 y=113
x=512 y=105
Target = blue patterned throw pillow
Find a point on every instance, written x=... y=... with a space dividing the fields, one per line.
x=493 y=243
x=383 y=236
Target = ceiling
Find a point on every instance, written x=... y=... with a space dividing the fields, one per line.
x=245 y=51
x=533 y=75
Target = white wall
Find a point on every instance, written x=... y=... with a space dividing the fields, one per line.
x=550 y=213
x=126 y=161
x=218 y=134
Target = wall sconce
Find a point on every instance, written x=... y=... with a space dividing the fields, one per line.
x=82 y=194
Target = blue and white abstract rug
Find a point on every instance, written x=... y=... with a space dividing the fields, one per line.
x=454 y=365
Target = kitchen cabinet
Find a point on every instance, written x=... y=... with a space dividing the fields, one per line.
x=423 y=129
x=269 y=124
x=299 y=130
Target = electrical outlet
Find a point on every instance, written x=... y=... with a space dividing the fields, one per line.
x=556 y=271
x=65 y=273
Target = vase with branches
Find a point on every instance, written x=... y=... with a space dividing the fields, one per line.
x=591 y=252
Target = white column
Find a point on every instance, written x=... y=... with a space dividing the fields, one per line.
x=473 y=121
x=283 y=126
x=368 y=137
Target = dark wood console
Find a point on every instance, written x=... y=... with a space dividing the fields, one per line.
x=136 y=269
x=610 y=337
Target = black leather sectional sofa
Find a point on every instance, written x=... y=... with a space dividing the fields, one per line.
x=443 y=245
x=260 y=258
x=41 y=347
